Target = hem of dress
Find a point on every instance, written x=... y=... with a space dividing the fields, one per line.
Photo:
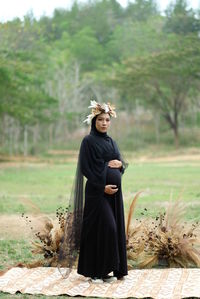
x=96 y=275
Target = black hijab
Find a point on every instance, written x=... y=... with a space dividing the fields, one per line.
x=95 y=132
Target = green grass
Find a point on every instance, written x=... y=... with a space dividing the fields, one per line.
x=162 y=181
x=14 y=252
x=48 y=186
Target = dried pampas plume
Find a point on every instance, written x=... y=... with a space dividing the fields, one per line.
x=48 y=238
x=166 y=240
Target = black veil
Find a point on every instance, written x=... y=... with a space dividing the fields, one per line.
x=70 y=242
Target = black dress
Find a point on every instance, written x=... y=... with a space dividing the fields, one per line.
x=103 y=240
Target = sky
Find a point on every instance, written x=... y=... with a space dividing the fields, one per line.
x=10 y=9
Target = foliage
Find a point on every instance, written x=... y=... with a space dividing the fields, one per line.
x=141 y=10
x=21 y=93
x=180 y=19
x=165 y=81
x=51 y=67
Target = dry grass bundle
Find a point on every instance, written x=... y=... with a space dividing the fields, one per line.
x=48 y=238
x=166 y=240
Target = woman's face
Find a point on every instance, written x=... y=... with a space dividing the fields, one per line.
x=103 y=122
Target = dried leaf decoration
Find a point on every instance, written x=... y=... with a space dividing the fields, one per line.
x=48 y=239
x=166 y=240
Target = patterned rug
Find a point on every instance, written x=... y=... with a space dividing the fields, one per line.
x=154 y=283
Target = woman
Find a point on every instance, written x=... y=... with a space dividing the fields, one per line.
x=103 y=241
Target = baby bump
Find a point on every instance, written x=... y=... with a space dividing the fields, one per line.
x=113 y=176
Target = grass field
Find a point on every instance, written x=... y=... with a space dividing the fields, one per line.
x=42 y=187
x=48 y=186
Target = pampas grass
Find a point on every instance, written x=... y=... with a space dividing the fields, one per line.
x=166 y=240
x=48 y=238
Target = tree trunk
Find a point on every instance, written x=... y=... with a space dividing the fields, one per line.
x=3 y=131
x=10 y=141
x=16 y=137
x=174 y=125
x=50 y=135
x=25 y=141
x=176 y=136
x=137 y=125
x=11 y=134
x=35 y=138
x=157 y=126
x=76 y=82
x=2 y=134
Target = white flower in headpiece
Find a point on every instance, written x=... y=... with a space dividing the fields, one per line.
x=88 y=119
x=93 y=104
x=105 y=107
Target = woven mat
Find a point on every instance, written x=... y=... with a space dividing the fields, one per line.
x=154 y=283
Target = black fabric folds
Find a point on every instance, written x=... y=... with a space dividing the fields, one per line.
x=95 y=231
x=70 y=242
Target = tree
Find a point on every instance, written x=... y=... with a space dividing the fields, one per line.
x=86 y=49
x=135 y=39
x=141 y=10
x=165 y=81
x=22 y=96
x=180 y=19
x=102 y=16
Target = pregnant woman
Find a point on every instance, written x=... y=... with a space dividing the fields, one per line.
x=102 y=246
x=103 y=241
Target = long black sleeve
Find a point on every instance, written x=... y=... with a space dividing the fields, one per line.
x=93 y=167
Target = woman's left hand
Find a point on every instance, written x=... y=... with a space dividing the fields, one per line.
x=115 y=164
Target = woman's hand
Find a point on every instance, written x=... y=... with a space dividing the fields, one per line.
x=110 y=189
x=115 y=164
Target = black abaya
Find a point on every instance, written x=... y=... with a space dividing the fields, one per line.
x=103 y=240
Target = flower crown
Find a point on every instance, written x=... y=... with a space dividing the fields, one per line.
x=98 y=109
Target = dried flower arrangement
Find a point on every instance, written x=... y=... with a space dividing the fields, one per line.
x=166 y=240
x=48 y=239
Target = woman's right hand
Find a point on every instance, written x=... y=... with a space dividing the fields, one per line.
x=110 y=189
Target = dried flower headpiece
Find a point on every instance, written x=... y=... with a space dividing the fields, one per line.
x=98 y=109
